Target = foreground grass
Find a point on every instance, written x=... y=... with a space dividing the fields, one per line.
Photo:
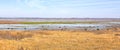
x=59 y=40
x=89 y=22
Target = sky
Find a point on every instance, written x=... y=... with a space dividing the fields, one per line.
x=60 y=8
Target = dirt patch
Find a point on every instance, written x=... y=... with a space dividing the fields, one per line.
x=117 y=34
x=8 y=22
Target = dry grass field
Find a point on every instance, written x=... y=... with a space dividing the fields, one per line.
x=59 y=40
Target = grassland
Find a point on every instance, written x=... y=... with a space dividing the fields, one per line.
x=59 y=40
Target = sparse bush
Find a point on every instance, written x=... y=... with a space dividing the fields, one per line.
x=85 y=29
x=98 y=29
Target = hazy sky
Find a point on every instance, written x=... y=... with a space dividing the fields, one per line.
x=60 y=8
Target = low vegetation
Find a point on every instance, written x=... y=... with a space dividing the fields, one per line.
x=59 y=40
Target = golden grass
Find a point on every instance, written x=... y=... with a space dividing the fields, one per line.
x=59 y=40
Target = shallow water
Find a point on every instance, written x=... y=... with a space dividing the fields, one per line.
x=51 y=26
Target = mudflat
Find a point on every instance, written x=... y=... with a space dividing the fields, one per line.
x=59 y=40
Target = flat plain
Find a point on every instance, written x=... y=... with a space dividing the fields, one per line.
x=108 y=39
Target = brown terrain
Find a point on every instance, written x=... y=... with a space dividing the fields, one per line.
x=8 y=22
x=60 y=40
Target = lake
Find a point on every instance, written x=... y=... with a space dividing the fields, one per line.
x=52 y=26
